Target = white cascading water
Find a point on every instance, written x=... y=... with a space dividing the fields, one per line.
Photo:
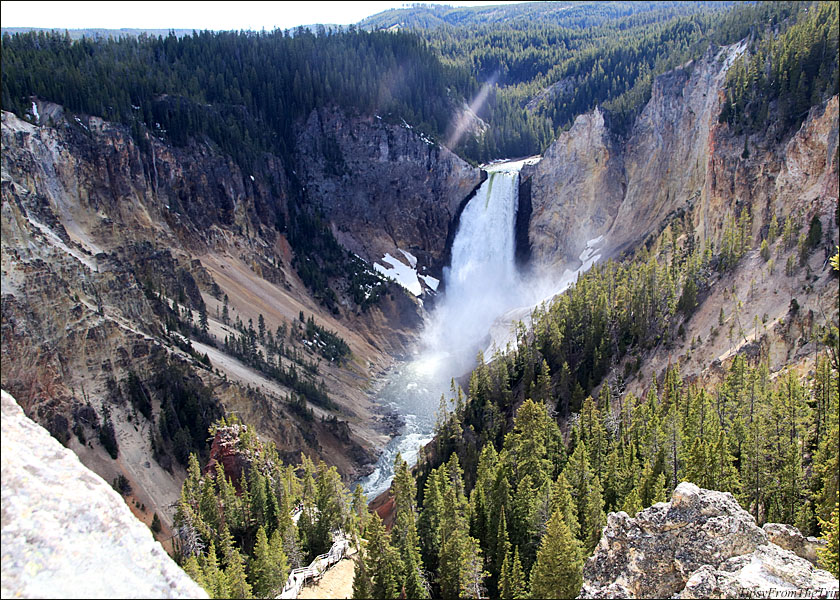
x=481 y=284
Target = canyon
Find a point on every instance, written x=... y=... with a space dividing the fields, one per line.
x=131 y=266
x=92 y=222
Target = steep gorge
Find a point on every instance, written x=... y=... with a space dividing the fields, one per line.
x=677 y=158
x=682 y=178
x=102 y=235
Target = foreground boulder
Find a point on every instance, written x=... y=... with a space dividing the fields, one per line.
x=701 y=544
x=66 y=533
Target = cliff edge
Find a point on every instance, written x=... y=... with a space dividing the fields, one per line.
x=701 y=544
x=66 y=533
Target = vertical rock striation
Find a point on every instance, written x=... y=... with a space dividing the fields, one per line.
x=676 y=159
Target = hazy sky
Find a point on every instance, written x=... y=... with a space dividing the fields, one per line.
x=192 y=15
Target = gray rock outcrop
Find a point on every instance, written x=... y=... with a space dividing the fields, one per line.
x=790 y=538
x=66 y=533
x=700 y=544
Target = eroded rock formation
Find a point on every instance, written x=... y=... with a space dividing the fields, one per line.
x=701 y=544
x=677 y=158
x=382 y=186
x=67 y=533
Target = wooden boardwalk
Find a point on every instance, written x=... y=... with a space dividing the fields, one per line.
x=298 y=577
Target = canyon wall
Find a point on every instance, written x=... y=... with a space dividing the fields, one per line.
x=109 y=238
x=383 y=186
x=676 y=158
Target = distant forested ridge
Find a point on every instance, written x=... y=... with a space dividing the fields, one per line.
x=549 y=62
x=243 y=90
x=545 y=63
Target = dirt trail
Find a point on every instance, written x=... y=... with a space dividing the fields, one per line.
x=337 y=582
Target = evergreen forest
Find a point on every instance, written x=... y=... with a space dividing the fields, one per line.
x=541 y=67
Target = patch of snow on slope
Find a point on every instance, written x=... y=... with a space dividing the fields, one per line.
x=35 y=113
x=412 y=260
x=401 y=273
x=430 y=281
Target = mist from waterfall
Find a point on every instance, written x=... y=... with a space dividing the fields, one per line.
x=481 y=284
x=482 y=281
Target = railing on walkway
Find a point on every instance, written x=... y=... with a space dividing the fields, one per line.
x=298 y=577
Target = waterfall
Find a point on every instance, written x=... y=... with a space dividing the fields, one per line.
x=481 y=284
x=482 y=281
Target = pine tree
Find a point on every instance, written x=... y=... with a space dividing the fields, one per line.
x=828 y=556
x=404 y=532
x=594 y=517
x=362 y=584
x=268 y=568
x=193 y=569
x=429 y=525
x=215 y=579
x=472 y=571
x=155 y=526
x=359 y=508
x=558 y=571
x=512 y=580
x=632 y=504
x=502 y=545
x=382 y=561
x=235 y=575
x=561 y=500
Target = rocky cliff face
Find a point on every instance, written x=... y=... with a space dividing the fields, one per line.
x=106 y=240
x=67 y=533
x=575 y=191
x=383 y=186
x=677 y=158
x=701 y=544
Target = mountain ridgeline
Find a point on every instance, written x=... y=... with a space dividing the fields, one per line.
x=190 y=224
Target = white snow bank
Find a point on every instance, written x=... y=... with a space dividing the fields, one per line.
x=412 y=260
x=430 y=281
x=400 y=272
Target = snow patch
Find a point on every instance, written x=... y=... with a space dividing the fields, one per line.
x=412 y=260
x=35 y=113
x=590 y=254
x=252 y=178
x=430 y=281
x=401 y=273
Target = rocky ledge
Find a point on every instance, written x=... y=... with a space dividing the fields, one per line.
x=66 y=533
x=702 y=544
